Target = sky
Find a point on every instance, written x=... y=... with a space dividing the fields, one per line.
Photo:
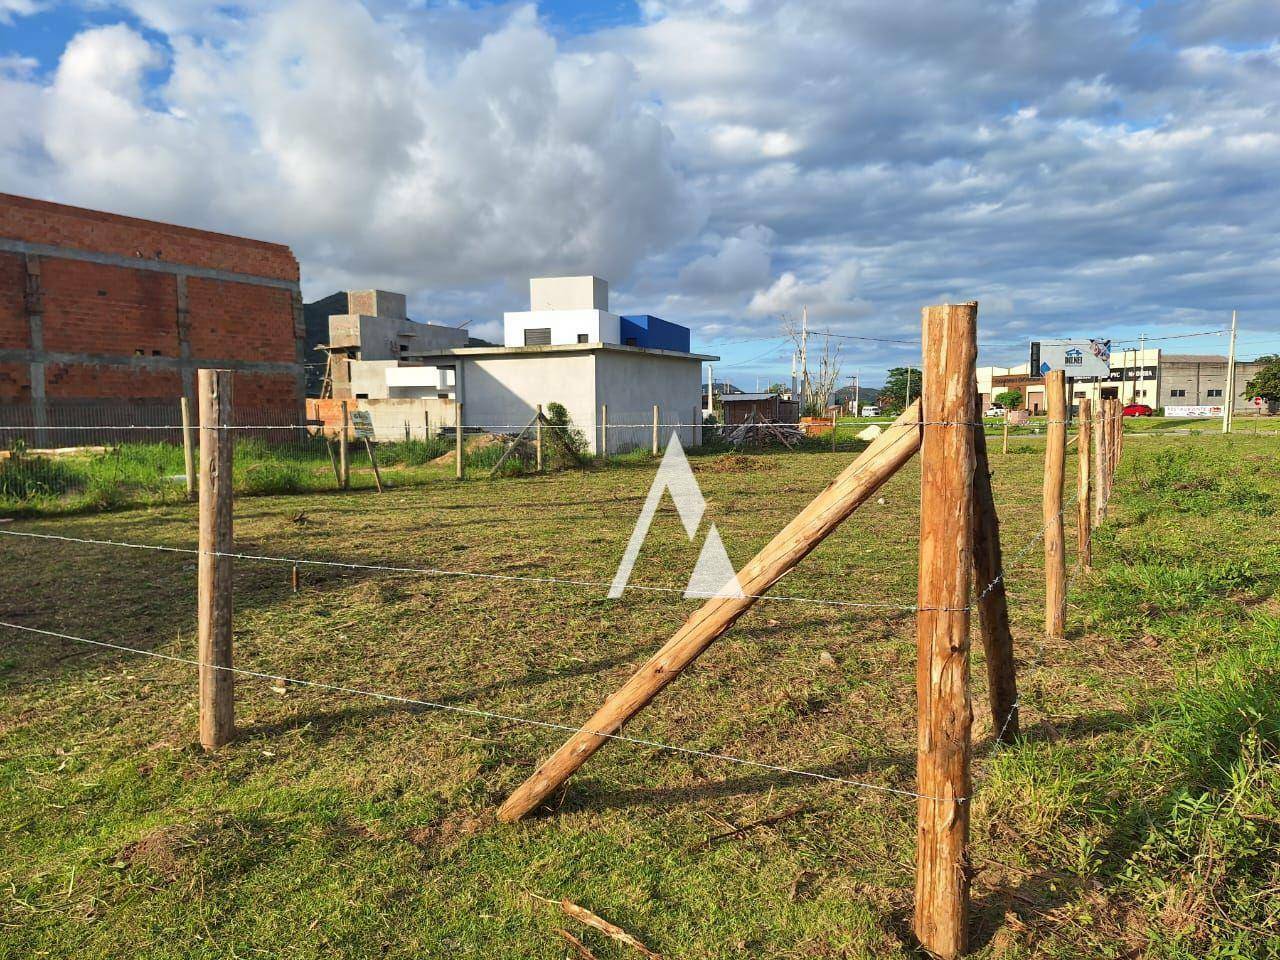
x=1102 y=169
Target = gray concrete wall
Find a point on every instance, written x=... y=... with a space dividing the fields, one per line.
x=423 y=415
x=504 y=392
x=1197 y=378
x=630 y=383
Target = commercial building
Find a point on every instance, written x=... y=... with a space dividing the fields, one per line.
x=102 y=310
x=1137 y=376
x=568 y=348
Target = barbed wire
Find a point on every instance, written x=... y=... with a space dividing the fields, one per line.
x=438 y=572
x=480 y=713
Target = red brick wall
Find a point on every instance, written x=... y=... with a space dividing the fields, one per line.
x=74 y=381
x=92 y=308
x=38 y=221
x=236 y=321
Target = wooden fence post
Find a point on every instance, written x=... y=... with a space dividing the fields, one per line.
x=344 y=454
x=1119 y=433
x=217 y=706
x=188 y=447
x=537 y=439
x=947 y=460
x=655 y=430
x=993 y=602
x=457 y=439
x=1100 y=463
x=1004 y=446
x=1084 y=516
x=1055 y=456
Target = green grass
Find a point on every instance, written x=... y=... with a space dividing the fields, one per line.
x=1137 y=817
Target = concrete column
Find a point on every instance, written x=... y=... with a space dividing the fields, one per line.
x=33 y=302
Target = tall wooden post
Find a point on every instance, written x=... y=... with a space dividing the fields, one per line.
x=655 y=429
x=988 y=584
x=1055 y=457
x=217 y=710
x=1084 y=516
x=457 y=439
x=537 y=439
x=1100 y=463
x=188 y=447
x=604 y=431
x=1119 y=444
x=1004 y=446
x=942 y=628
x=344 y=453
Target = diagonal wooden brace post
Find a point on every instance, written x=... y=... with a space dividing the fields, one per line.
x=993 y=603
x=825 y=512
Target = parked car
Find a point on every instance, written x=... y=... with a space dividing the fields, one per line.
x=1138 y=410
x=993 y=412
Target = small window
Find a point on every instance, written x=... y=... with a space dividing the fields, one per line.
x=1177 y=393
x=537 y=337
x=362 y=396
x=582 y=338
x=155 y=353
x=1214 y=392
x=630 y=341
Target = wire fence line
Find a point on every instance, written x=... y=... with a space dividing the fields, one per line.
x=478 y=712
x=440 y=572
x=474 y=712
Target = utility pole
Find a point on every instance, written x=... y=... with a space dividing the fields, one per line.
x=711 y=388
x=1141 y=373
x=908 y=403
x=1229 y=395
x=857 y=393
x=794 y=391
x=804 y=359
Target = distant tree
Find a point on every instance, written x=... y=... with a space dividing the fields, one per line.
x=1266 y=383
x=894 y=394
x=1010 y=399
x=778 y=389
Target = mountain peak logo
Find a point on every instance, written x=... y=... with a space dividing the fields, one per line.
x=713 y=575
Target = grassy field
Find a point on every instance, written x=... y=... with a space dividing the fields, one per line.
x=1139 y=816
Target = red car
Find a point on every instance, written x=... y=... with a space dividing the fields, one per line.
x=1137 y=410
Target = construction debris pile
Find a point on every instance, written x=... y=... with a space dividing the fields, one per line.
x=755 y=432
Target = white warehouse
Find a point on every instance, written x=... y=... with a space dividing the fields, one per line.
x=568 y=348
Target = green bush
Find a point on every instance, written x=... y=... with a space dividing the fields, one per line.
x=413 y=453
x=27 y=478
x=258 y=479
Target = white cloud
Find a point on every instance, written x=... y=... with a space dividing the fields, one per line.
x=11 y=9
x=1072 y=166
x=317 y=124
x=832 y=297
x=739 y=264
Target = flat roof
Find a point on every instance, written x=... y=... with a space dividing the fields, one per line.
x=557 y=348
x=736 y=397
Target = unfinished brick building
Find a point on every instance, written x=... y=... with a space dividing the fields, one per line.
x=101 y=310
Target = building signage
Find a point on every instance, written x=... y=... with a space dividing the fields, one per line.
x=1195 y=410
x=362 y=422
x=1079 y=358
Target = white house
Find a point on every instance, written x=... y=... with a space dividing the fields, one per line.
x=567 y=349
